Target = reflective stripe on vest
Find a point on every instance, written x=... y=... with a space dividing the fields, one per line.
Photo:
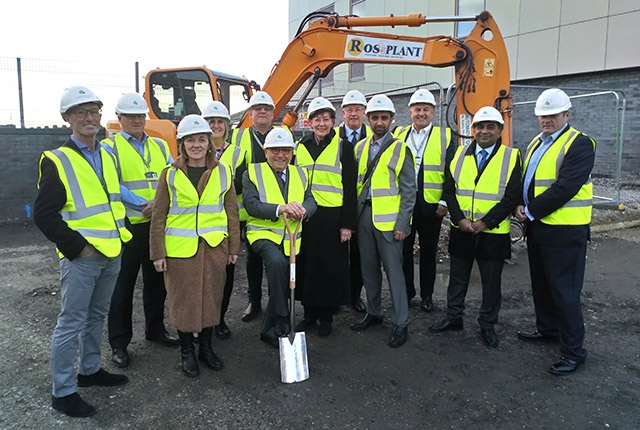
x=325 y=173
x=477 y=199
x=133 y=169
x=93 y=210
x=385 y=188
x=433 y=161
x=576 y=211
x=191 y=216
x=263 y=177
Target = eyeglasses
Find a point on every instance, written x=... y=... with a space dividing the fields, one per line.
x=357 y=109
x=284 y=151
x=82 y=113
x=320 y=119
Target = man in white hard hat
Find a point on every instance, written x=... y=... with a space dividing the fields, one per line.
x=433 y=151
x=78 y=207
x=273 y=189
x=386 y=196
x=484 y=183
x=352 y=130
x=139 y=161
x=261 y=110
x=557 y=192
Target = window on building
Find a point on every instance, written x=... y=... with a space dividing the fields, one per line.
x=356 y=70
x=466 y=8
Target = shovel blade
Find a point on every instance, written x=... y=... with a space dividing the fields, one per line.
x=293 y=359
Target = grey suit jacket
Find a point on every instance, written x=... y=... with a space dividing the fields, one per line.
x=259 y=209
x=408 y=190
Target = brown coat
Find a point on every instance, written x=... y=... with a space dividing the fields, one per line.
x=194 y=285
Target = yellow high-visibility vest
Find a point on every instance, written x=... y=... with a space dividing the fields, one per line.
x=576 y=211
x=92 y=208
x=367 y=133
x=477 y=199
x=385 y=187
x=325 y=173
x=191 y=216
x=263 y=177
x=233 y=156
x=138 y=173
x=433 y=160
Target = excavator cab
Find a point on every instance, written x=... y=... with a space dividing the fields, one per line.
x=174 y=93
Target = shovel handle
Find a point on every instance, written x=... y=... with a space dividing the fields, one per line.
x=292 y=249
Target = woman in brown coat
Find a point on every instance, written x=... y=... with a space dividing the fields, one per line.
x=195 y=233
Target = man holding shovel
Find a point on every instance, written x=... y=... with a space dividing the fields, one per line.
x=271 y=190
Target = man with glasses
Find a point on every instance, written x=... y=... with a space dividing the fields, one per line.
x=78 y=207
x=353 y=130
x=273 y=189
x=139 y=161
x=386 y=196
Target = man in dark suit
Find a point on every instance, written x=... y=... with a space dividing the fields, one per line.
x=484 y=182
x=557 y=193
x=386 y=196
x=271 y=190
x=433 y=151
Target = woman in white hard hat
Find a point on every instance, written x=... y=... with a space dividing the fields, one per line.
x=324 y=255
x=217 y=115
x=194 y=235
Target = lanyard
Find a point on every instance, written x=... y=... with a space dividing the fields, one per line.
x=418 y=148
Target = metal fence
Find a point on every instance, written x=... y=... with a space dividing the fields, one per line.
x=30 y=89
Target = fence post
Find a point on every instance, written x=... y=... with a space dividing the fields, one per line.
x=19 y=67
x=137 y=73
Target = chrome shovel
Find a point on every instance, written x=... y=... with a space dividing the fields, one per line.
x=293 y=348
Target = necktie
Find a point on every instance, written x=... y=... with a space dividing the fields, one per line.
x=354 y=137
x=482 y=158
x=281 y=177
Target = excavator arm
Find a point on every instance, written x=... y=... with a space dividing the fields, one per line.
x=481 y=62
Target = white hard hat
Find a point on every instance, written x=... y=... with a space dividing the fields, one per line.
x=192 y=124
x=354 y=97
x=279 y=138
x=487 y=113
x=216 y=109
x=380 y=103
x=551 y=102
x=131 y=103
x=319 y=103
x=422 y=96
x=261 y=98
x=75 y=96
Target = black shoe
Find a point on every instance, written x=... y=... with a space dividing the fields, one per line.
x=490 y=337
x=205 y=351
x=188 y=360
x=252 y=311
x=72 y=405
x=120 y=357
x=427 y=304
x=163 y=337
x=305 y=325
x=102 y=378
x=282 y=327
x=398 y=336
x=271 y=340
x=447 y=324
x=536 y=336
x=325 y=329
x=222 y=330
x=358 y=305
x=565 y=366
x=366 y=322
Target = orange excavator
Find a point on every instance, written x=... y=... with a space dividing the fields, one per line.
x=482 y=76
x=480 y=60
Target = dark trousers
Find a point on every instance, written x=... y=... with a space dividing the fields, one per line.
x=135 y=255
x=276 y=266
x=228 y=289
x=491 y=278
x=355 y=270
x=322 y=313
x=557 y=276
x=428 y=229
x=254 y=275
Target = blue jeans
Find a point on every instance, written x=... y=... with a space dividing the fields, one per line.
x=86 y=286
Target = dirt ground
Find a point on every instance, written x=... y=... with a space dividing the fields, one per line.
x=356 y=381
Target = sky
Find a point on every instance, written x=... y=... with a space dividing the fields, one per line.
x=240 y=37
